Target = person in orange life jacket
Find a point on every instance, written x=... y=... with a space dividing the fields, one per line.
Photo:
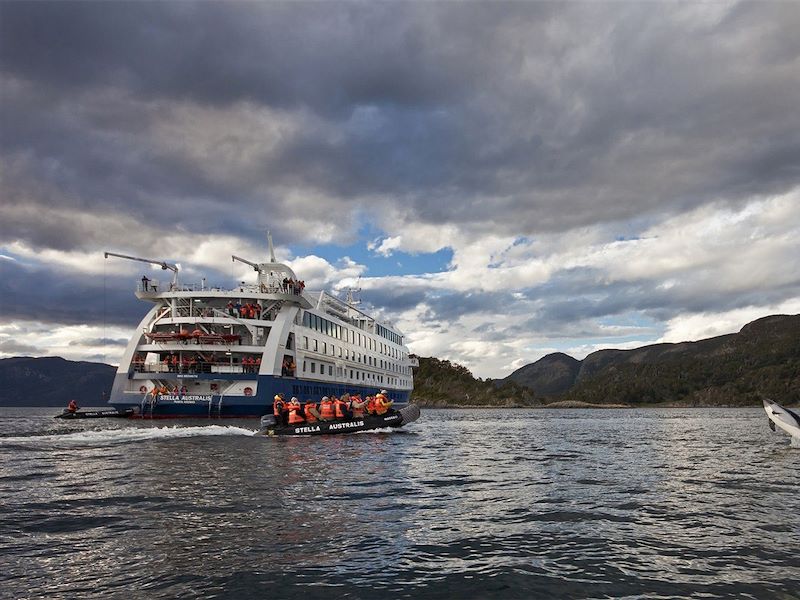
x=295 y=412
x=358 y=406
x=326 y=409
x=382 y=403
x=72 y=406
x=371 y=405
x=285 y=367
x=311 y=412
x=279 y=409
x=340 y=408
x=257 y=365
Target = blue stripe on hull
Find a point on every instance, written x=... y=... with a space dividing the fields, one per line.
x=250 y=406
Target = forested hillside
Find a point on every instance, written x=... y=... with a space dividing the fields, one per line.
x=53 y=381
x=442 y=383
x=763 y=359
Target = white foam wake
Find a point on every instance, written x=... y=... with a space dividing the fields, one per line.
x=127 y=434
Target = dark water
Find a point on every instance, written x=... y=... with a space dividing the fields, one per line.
x=667 y=503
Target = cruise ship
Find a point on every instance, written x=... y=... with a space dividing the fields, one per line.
x=211 y=352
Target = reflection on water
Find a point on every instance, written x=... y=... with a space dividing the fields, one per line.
x=504 y=504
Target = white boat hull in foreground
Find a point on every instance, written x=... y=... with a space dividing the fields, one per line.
x=785 y=419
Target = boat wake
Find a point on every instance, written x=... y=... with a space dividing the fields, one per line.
x=126 y=435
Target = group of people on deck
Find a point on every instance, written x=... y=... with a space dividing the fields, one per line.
x=345 y=407
x=244 y=311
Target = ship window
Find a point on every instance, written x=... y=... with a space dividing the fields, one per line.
x=330 y=370
x=304 y=366
x=351 y=373
x=305 y=342
x=316 y=346
x=324 y=347
x=313 y=368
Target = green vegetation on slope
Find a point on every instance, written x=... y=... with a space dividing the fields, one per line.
x=442 y=383
x=763 y=359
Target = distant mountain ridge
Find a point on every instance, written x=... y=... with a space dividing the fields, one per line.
x=53 y=381
x=739 y=368
x=763 y=359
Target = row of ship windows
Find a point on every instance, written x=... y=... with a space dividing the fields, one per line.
x=352 y=336
x=331 y=350
x=312 y=368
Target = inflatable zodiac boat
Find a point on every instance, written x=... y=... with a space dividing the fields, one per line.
x=398 y=418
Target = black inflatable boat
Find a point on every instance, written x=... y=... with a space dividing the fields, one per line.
x=95 y=414
x=396 y=418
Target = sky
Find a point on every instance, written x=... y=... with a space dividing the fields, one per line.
x=501 y=180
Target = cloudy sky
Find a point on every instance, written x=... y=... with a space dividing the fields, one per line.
x=506 y=179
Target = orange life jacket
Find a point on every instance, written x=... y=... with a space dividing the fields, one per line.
x=382 y=404
x=326 y=410
x=294 y=413
x=307 y=409
x=339 y=406
x=371 y=405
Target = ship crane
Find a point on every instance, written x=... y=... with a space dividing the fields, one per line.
x=161 y=263
x=245 y=261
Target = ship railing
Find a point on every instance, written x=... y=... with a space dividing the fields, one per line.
x=198 y=368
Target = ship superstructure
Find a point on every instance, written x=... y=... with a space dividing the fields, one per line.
x=204 y=351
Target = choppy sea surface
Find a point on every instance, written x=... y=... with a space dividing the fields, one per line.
x=652 y=503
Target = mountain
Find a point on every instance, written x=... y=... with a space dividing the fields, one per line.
x=440 y=383
x=53 y=381
x=763 y=359
x=550 y=376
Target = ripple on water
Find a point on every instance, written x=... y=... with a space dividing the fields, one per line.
x=556 y=504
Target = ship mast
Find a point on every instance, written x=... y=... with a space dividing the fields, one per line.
x=161 y=263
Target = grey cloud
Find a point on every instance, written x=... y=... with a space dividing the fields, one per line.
x=517 y=118
x=455 y=113
x=8 y=346
x=50 y=296
x=91 y=342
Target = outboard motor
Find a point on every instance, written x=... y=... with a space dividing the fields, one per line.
x=267 y=422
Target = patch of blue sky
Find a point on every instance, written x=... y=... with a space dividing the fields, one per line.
x=634 y=321
x=397 y=263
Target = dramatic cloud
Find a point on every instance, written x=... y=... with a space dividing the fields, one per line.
x=603 y=173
